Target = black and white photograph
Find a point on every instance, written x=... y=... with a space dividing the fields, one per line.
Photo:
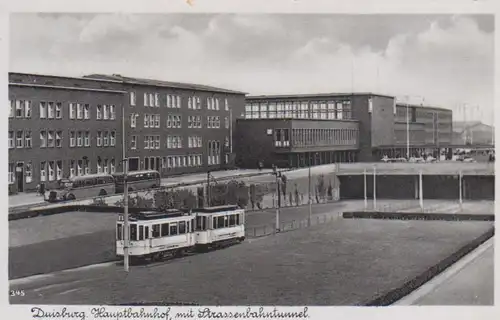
x=250 y=159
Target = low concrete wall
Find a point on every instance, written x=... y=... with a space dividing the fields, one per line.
x=446 y=187
x=417 y=216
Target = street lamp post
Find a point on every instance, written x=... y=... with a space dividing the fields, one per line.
x=278 y=205
x=407 y=131
x=126 y=234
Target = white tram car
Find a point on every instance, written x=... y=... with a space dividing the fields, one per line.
x=219 y=226
x=155 y=235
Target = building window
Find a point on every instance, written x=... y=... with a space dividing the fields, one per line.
x=80 y=167
x=112 y=112
x=59 y=139
x=71 y=110
x=112 y=138
x=86 y=111
x=50 y=139
x=11 y=140
x=226 y=159
x=105 y=166
x=59 y=171
x=112 y=166
x=99 y=112
x=190 y=103
x=28 y=172
x=105 y=112
x=146 y=142
x=87 y=167
x=99 y=138
x=133 y=120
x=226 y=105
x=43 y=110
x=27 y=109
x=58 y=110
x=52 y=171
x=72 y=138
x=79 y=111
x=106 y=138
x=79 y=139
x=132 y=98
x=71 y=168
x=87 y=138
x=11 y=109
x=151 y=100
x=145 y=98
x=152 y=120
x=174 y=121
x=133 y=142
x=43 y=171
x=157 y=142
x=157 y=120
x=19 y=139
x=19 y=109
x=226 y=142
x=50 y=110
x=146 y=121
x=28 y=139
x=226 y=122
x=157 y=100
x=216 y=104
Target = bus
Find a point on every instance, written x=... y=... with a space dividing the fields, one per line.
x=138 y=180
x=82 y=187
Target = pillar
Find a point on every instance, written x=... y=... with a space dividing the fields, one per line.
x=416 y=187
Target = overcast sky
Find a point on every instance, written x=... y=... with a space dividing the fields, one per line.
x=446 y=60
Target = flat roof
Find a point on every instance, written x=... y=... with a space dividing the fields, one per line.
x=316 y=95
x=294 y=119
x=61 y=77
x=399 y=104
x=160 y=83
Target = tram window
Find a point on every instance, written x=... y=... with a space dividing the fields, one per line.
x=119 y=231
x=237 y=219
x=182 y=227
x=199 y=226
x=232 y=220
x=226 y=221
x=173 y=229
x=192 y=225
x=214 y=223
x=141 y=233
x=146 y=232
x=133 y=232
x=187 y=228
x=220 y=222
x=156 y=230
x=164 y=230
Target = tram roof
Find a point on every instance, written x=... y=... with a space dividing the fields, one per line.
x=154 y=215
x=216 y=209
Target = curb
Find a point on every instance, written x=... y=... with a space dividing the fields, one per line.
x=413 y=284
x=417 y=216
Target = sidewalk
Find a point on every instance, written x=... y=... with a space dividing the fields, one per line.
x=29 y=199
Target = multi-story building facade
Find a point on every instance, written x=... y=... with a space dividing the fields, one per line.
x=178 y=128
x=294 y=131
x=298 y=130
x=419 y=130
x=61 y=127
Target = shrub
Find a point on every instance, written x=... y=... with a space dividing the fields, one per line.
x=175 y=199
x=232 y=192
x=136 y=202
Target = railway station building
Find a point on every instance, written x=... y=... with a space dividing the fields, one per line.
x=314 y=129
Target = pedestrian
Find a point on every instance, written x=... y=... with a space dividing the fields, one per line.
x=38 y=191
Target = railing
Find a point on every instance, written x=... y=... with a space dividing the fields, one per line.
x=269 y=229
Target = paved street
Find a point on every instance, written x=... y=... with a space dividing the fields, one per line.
x=361 y=259
x=469 y=282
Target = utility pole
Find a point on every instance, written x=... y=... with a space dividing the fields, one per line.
x=460 y=189
x=407 y=129
x=278 y=206
x=374 y=188
x=364 y=187
x=310 y=202
x=126 y=232
x=209 y=193
x=125 y=216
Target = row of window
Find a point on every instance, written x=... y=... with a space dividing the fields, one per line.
x=195 y=142
x=299 y=110
x=54 y=110
x=175 y=121
x=314 y=137
x=152 y=142
x=174 y=101
x=53 y=139
x=53 y=170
